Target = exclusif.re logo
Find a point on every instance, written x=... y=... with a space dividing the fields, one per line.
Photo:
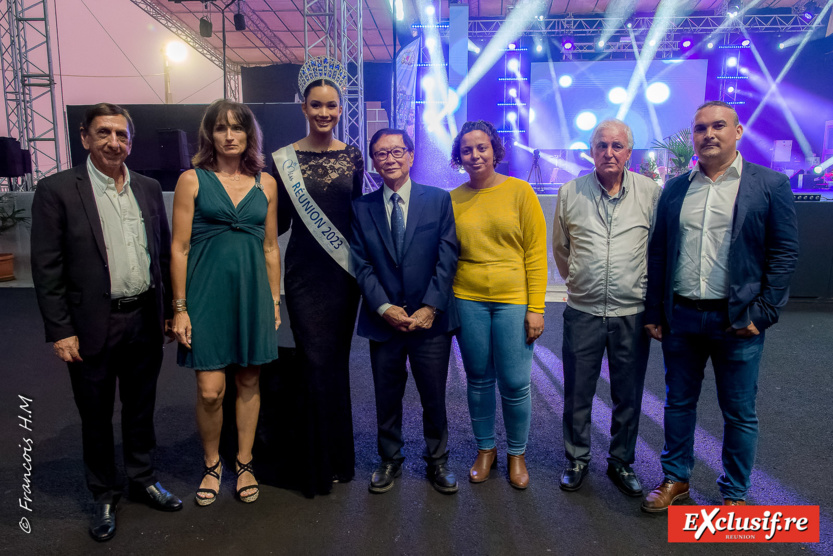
x=743 y=524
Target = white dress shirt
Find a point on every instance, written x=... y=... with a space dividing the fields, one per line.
x=404 y=199
x=124 y=234
x=705 y=234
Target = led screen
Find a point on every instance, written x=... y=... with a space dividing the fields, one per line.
x=567 y=99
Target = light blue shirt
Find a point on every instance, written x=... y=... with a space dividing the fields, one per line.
x=125 y=238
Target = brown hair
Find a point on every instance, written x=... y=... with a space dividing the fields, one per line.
x=252 y=160
x=106 y=109
x=488 y=129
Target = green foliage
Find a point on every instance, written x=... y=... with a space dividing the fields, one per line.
x=9 y=216
x=648 y=167
x=681 y=149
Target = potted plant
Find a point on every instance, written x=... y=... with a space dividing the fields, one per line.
x=9 y=218
x=681 y=149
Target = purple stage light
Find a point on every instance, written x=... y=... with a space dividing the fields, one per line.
x=687 y=44
x=567 y=43
x=745 y=42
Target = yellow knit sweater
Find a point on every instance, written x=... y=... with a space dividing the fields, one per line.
x=503 y=244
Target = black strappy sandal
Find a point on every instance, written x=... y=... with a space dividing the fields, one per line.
x=243 y=468
x=214 y=472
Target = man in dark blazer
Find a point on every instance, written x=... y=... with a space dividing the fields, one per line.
x=100 y=263
x=404 y=251
x=719 y=265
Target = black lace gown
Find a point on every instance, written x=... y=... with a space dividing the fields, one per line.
x=321 y=300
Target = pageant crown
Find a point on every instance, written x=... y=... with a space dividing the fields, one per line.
x=322 y=67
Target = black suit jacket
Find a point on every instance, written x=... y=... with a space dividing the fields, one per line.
x=69 y=257
x=428 y=265
x=762 y=254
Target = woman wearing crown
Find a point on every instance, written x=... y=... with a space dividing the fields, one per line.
x=318 y=177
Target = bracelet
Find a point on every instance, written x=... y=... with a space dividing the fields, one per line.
x=277 y=302
x=179 y=306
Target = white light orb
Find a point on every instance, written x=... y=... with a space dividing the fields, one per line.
x=513 y=65
x=732 y=62
x=176 y=51
x=579 y=146
x=657 y=93
x=617 y=95
x=427 y=83
x=513 y=93
x=585 y=121
x=512 y=117
x=430 y=43
x=429 y=10
x=565 y=81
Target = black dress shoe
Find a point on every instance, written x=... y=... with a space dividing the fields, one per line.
x=573 y=476
x=103 y=523
x=382 y=478
x=156 y=497
x=442 y=478
x=624 y=478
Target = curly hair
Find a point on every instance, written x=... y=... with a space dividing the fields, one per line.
x=488 y=129
x=252 y=160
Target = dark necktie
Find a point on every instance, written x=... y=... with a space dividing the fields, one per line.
x=397 y=226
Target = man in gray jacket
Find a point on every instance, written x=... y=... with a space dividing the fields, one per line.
x=600 y=244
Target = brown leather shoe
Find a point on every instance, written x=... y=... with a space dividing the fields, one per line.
x=729 y=502
x=665 y=494
x=518 y=475
x=485 y=462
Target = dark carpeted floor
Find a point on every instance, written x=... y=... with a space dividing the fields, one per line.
x=795 y=389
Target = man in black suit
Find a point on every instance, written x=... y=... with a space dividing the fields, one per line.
x=404 y=250
x=725 y=245
x=100 y=263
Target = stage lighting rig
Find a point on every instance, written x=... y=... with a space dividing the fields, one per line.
x=568 y=44
x=733 y=8
x=811 y=10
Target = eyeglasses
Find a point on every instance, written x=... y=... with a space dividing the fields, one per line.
x=381 y=156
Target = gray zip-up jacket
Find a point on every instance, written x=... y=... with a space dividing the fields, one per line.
x=605 y=265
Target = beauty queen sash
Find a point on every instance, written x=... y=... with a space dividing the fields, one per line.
x=324 y=231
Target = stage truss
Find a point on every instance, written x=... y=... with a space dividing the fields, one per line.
x=333 y=28
x=158 y=11
x=29 y=86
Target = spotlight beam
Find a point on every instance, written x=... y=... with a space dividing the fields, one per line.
x=773 y=89
x=516 y=23
x=571 y=167
x=559 y=105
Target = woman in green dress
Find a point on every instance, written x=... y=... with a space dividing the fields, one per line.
x=225 y=275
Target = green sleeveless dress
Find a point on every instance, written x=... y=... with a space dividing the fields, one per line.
x=227 y=288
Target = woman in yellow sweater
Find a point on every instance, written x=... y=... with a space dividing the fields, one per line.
x=500 y=286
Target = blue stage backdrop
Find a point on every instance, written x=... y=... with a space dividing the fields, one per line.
x=589 y=92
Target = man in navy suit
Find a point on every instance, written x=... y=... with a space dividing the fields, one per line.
x=404 y=250
x=101 y=251
x=719 y=265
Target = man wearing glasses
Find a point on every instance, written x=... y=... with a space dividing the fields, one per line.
x=404 y=250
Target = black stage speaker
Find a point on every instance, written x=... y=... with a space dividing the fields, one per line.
x=12 y=164
x=173 y=150
x=239 y=22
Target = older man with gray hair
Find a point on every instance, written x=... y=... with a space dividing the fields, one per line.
x=600 y=244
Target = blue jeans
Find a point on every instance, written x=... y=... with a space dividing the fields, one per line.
x=493 y=344
x=693 y=338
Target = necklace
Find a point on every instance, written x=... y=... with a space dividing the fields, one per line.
x=233 y=177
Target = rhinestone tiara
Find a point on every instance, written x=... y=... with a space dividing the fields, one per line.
x=322 y=67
